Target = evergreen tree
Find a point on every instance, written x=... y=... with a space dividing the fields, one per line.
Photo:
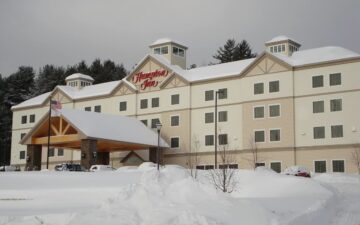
x=234 y=52
x=226 y=53
x=243 y=51
x=49 y=77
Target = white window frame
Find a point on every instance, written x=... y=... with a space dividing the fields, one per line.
x=174 y=116
x=279 y=110
x=320 y=160
x=332 y=168
x=253 y=112
x=270 y=141
x=264 y=135
x=179 y=142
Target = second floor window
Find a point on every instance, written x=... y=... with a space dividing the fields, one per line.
x=175 y=121
x=154 y=122
x=318 y=107
x=175 y=99
x=32 y=118
x=259 y=136
x=259 y=112
x=88 y=109
x=335 y=105
x=209 y=117
x=319 y=132
x=209 y=140
x=23 y=119
x=274 y=110
x=336 y=131
x=223 y=139
x=223 y=116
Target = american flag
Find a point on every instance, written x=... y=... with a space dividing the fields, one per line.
x=56 y=105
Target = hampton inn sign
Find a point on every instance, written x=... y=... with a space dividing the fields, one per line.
x=149 y=79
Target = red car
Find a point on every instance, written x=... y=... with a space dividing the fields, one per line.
x=300 y=171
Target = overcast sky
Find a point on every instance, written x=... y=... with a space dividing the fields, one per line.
x=63 y=32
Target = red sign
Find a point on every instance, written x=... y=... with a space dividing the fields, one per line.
x=147 y=79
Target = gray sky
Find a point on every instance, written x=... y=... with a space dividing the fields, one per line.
x=63 y=32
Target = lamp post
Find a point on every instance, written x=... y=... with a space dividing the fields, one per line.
x=158 y=128
x=218 y=92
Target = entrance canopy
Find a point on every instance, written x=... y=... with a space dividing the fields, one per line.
x=111 y=132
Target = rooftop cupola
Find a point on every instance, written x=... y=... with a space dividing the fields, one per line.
x=283 y=45
x=172 y=50
x=79 y=80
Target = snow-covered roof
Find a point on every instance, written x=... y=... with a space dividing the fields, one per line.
x=217 y=71
x=281 y=38
x=79 y=76
x=316 y=55
x=112 y=127
x=165 y=41
x=38 y=100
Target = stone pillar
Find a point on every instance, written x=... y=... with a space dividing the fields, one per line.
x=88 y=148
x=103 y=158
x=33 y=157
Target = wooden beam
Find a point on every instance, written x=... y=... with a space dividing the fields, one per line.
x=54 y=129
x=61 y=125
x=66 y=129
x=55 y=139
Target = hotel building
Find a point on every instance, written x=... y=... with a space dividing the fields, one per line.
x=288 y=106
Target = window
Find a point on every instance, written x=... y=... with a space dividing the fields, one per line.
x=259 y=112
x=336 y=131
x=178 y=51
x=223 y=139
x=259 y=88
x=271 y=49
x=275 y=135
x=338 y=166
x=51 y=152
x=88 y=109
x=200 y=167
x=155 y=102
x=23 y=119
x=274 y=110
x=318 y=107
x=317 y=81
x=22 y=135
x=233 y=166
x=209 y=167
x=174 y=121
x=156 y=50
x=335 y=105
x=283 y=48
x=209 y=117
x=320 y=166
x=228 y=166
x=276 y=166
x=145 y=122
x=60 y=151
x=222 y=93
x=209 y=95
x=259 y=164
x=32 y=118
x=223 y=116
x=154 y=122
x=174 y=142
x=164 y=50
x=209 y=140
x=319 y=132
x=335 y=79
x=22 y=154
x=260 y=136
x=143 y=103
x=175 y=99
x=97 y=108
x=123 y=106
x=274 y=86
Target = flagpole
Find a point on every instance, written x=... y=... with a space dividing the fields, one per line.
x=48 y=143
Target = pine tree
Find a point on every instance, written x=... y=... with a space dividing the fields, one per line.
x=243 y=51
x=234 y=52
x=226 y=53
x=49 y=77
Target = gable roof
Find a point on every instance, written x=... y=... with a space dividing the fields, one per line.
x=107 y=127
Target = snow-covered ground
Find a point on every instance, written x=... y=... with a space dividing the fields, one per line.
x=143 y=196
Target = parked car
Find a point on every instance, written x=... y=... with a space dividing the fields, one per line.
x=9 y=168
x=300 y=171
x=69 y=167
x=96 y=168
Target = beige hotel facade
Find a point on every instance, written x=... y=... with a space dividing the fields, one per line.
x=290 y=106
